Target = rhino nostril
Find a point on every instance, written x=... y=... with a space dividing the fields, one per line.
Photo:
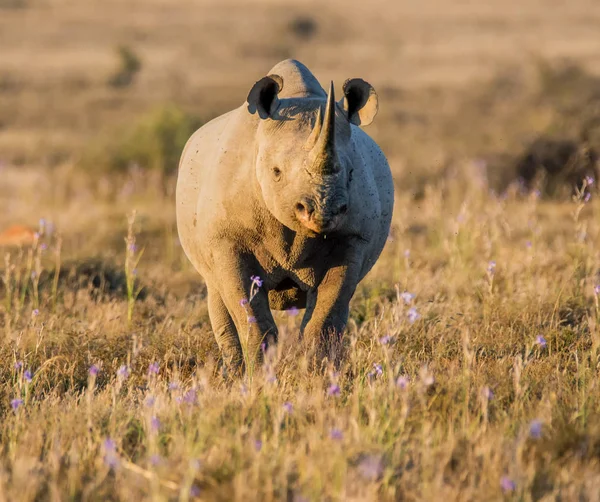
x=304 y=209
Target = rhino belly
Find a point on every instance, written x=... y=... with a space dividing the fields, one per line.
x=286 y=295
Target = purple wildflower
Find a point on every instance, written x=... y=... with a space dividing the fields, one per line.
x=377 y=369
x=487 y=393
x=18 y=365
x=190 y=397
x=589 y=180
x=154 y=368
x=407 y=297
x=413 y=315
x=333 y=390
x=258 y=444
x=155 y=460
x=288 y=407
x=535 y=429
x=27 y=375
x=251 y=319
x=123 y=372
x=541 y=341
x=173 y=386
x=16 y=403
x=491 y=268
x=194 y=491
x=293 y=311
x=44 y=246
x=507 y=484
x=256 y=281
x=150 y=400
x=35 y=313
x=243 y=302
x=155 y=424
x=336 y=434
x=587 y=197
x=386 y=339
x=597 y=290
x=271 y=376
x=407 y=253
x=371 y=467
x=427 y=378
x=131 y=247
x=402 y=382
x=110 y=445
x=94 y=370
x=111 y=459
x=528 y=244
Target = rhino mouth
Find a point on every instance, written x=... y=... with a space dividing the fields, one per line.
x=319 y=228
x=317 y=224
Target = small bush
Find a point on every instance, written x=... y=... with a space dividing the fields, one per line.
x=562 y=164
x=154 y=142
x=129 y=66
x=13 y=4
x=304 y=27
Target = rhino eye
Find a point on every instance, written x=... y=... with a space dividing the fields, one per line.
x=276 y=173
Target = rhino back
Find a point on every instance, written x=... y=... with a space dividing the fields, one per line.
x=215 y=166
x=298 y=80
x=373 y=195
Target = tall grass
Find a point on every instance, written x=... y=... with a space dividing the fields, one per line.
x=470 y=374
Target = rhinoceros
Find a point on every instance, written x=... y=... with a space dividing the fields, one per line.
x=284 y=203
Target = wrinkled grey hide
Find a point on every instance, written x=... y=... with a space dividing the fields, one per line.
x=286 y=187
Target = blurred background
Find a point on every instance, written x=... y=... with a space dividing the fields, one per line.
x=97 y=99
x=489 y=113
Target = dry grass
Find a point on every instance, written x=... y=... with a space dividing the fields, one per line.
x=440 y=433
x=466 y=402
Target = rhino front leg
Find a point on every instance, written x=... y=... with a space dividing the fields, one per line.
x=225 y=331
x=328 y=307
x=247 y=304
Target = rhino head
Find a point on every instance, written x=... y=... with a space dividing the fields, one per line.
x=305 y=154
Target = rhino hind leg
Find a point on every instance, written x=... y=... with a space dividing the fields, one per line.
x=225 y=331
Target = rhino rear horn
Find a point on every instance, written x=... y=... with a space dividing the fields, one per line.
x=360 y=102
x=263 y=96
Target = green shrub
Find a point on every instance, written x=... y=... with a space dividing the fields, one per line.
x=13 y=4
x=129 y=66
x=154 y=142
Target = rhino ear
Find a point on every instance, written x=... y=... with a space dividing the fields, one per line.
x=360 y=101
x=263 y=96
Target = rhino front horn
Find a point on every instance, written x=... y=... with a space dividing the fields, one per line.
x=323 y=155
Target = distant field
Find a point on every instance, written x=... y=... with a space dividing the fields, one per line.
x=487 y=391
x=57 y=55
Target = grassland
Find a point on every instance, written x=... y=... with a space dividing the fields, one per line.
x=482 y=384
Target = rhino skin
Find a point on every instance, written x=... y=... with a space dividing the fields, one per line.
x=288 y=188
